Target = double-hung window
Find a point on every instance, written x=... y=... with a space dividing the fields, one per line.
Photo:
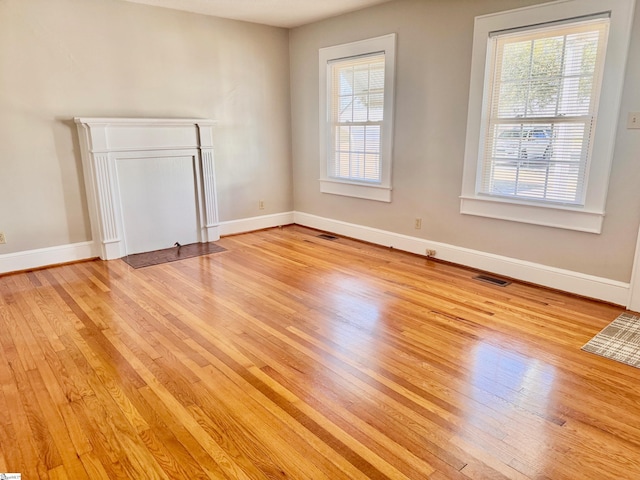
x=356 y=118
x=540 y=131
x=542 y=105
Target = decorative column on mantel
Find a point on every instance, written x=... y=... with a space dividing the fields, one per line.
x=104 y=140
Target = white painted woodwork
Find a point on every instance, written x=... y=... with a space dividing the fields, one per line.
x=633 y=303
x=159 y=199
x=567 y=280
x=150 y=182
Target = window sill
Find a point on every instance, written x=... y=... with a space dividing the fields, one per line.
x=358 y=190
x=550 y=216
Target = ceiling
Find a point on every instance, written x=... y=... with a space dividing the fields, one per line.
x=279 y=13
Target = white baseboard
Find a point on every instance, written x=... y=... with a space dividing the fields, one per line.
x=566 y=280
x=569 y=281
x=255 y=223
x=15 y=262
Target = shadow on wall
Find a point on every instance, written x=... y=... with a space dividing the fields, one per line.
x=68 y=156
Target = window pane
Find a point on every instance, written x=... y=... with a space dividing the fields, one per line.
x=345 y=75
x=361 y=80
x=372 y=138
x=376 y=107
x=372 y=166
x=345 y=109
x=343 y=164
x=546 y=57
x=515 y=61
x=377 y=76
x=360 y=111
x=357 y=139
x=343 y=141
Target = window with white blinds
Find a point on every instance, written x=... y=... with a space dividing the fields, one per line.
x=544 y=103
x=357 y=113
x=356 y=118
x=542 y=111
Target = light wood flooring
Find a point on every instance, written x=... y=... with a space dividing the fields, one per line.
x=290 y=356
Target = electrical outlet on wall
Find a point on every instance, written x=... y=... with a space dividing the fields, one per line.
x=2 y=238
x=418 y=224
x=634 y=120
x=261 y=204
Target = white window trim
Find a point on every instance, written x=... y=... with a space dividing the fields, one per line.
x=587 y=218
x=372 y=191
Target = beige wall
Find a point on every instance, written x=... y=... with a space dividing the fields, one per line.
x=432 y=84
x=65 y=58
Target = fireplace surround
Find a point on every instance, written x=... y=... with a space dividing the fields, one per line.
x=109 y=144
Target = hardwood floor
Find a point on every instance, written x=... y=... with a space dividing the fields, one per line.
x=290 y=356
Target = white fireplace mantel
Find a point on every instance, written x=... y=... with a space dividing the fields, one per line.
x=105 y=141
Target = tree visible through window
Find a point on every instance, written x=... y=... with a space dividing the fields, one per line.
x=541 y=111
x=544 y=105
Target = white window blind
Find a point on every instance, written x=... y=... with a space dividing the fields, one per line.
x=541 y=111
x=356 y=115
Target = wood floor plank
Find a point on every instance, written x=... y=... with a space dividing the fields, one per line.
x=32 y=464
x=59 y=473
x=185 y=438
x=10 y=454
x=292 y=357
x=94 y=467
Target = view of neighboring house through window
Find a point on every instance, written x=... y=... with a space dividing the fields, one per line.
x=356 y=118
x=357 y=112
x=542 y=105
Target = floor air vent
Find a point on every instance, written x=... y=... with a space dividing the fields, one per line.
x=327 y=236
x=492 y=280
